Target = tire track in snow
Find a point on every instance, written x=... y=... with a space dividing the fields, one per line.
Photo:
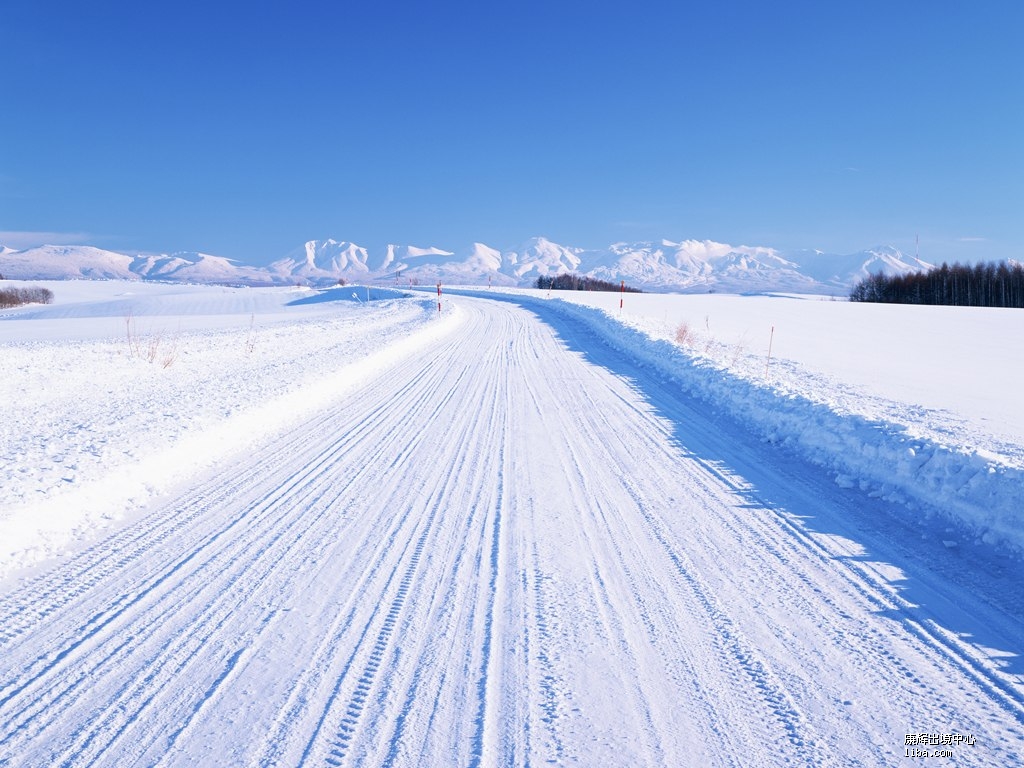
x=620 y=560
x=608 y=612
x=786 y=543
x=174 y=657
x=378 y=559
x=552 y=688
x=757 y=540
x=40 y=598
x=472 y=576
x=254 y=515
x=375 y=639
x=470 y=596
x=485 y=705
x=775 y=541
x=736 y=649
x=630 y=547
x=274 y=498
x=351 y=695
x=605 y=565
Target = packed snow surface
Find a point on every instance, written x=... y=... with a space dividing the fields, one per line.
x=280 y=526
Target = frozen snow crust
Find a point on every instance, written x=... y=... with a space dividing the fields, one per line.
x=908 y=456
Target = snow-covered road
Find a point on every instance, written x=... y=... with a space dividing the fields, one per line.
x=516 y=547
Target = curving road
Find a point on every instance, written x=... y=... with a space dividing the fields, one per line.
x=517 y=547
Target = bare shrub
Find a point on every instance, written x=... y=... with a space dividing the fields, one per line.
x=151 y=348
x=134 y=348
x=250 y=340
x=739 y=351
x=15 y=297
x=685 y=336
x=170 y=355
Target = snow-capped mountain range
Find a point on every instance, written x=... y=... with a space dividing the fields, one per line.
x=687 y=266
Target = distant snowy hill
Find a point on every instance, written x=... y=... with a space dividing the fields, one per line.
x=66 y=262
x=846 y=270
x=689 y=265
x=474 y=265
x=193 y=267
x=78 y=262
x=322 y=260
x=702 y=265
x=539 y=256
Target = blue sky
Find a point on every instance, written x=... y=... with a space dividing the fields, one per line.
x=246 y=129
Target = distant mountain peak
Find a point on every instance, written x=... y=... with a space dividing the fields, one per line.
x=685 y=265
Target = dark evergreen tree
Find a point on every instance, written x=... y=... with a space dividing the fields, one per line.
x=983 y=285
x=570 y=281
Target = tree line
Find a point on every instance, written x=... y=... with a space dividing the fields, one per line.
x=570 y=281
x=15 y=297
x=988 y=284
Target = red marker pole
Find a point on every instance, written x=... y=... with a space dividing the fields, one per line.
x=439 y=298
x=622 y=295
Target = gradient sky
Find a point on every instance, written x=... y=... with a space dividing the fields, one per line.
x=245 y=129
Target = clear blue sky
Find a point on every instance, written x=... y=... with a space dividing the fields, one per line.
x=246 y=129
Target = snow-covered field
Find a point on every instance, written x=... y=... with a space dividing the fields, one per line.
x=279 y=526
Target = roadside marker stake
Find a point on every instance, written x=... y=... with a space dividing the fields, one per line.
x=768 y=362
x=439 y=298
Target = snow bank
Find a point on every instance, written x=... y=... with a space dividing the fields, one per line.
x=888 y=450
x=95 y=427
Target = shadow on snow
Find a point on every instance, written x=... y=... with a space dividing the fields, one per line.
x=350 y=293
x=931 y=577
